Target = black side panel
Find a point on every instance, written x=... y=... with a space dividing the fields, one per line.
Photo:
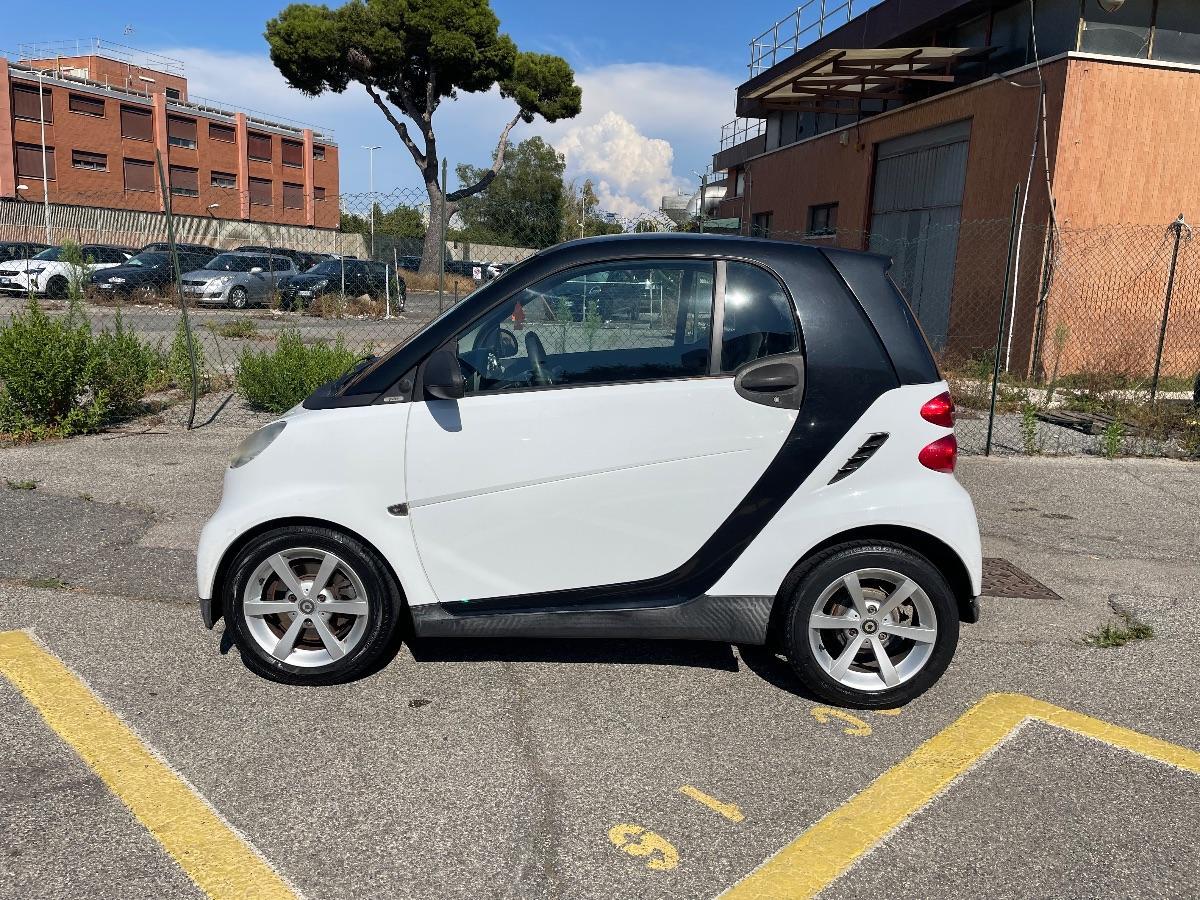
x=738 y=620
x=866 y=276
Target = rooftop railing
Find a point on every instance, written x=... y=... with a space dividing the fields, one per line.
x=811 y=21
x=739 y=131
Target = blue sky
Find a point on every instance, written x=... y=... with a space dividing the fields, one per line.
x=658 y=79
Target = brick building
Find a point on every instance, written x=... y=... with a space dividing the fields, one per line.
x=904 y=126
x=104 y=117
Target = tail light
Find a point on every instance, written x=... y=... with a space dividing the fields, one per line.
x=939 y=410
x=941 y=455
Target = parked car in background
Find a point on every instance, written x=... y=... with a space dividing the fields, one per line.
x=409 y=263
x=238 y=279
x=355 y=276
x=20 y=250
x=147 y=274
x=302 y=258
x=182 y=248
x=50 y=275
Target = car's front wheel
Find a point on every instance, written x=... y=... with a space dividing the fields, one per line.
x=871 y=624
x=311 y=605
x=237 y=297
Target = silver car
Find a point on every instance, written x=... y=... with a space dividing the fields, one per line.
x=238 y=280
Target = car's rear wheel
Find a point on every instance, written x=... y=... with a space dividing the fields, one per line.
x=870 y=624
x=237 y=297
x=311 y=605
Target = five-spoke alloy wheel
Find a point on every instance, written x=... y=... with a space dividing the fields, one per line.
x=310 y=605
x=871 y=624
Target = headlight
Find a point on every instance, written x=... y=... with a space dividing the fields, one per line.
x=256 y=443
x=35 y=270
x=220 y=281
x=319 y=283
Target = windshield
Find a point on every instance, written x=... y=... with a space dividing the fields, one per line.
x=326 y=267
x=147 y=260
x=229 y=262
x=50 y=253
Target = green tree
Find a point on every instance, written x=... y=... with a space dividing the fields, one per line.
x=409 y=56
x=402 y=222
x=581 y=215
x=522 y=205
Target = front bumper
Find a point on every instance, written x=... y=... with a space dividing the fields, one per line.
x=208 y=613
x=17 y=282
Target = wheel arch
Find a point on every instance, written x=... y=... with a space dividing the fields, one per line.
x=236 y=545
x=937 y=551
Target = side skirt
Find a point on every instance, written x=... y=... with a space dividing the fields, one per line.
x=737 y=620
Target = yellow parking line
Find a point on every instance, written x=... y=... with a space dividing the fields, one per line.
x=816 y=858
x=730 y=811
x=208 y=849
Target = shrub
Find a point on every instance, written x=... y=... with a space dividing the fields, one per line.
x=60 y=379
x=276 y=380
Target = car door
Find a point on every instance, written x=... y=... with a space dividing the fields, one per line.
x=591 y=454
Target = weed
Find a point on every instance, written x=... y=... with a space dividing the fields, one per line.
x=51 y=583
x=1130 y=629
x=235 y=328
x=87 y=498
x=178 y=363
x=25 y=485
x=1029 y=428
x=1113 y=438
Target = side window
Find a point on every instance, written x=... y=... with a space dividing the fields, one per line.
x=758 y=317
x=616 y=322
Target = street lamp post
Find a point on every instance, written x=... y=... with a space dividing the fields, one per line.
x=210 y=208
x=371 y=189
x=41 y=77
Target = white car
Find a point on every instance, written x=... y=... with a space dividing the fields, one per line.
x=48 y=274
x=764 y=455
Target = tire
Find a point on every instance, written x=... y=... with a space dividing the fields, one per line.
x=364 y=631
x=823 y=586
x=237 y=297
x=56 y=287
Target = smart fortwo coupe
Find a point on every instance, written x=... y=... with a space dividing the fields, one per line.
x=760 y=450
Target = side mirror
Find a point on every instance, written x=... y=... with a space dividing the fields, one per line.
x=255 y=270
x=442 y=376
x=506 y=344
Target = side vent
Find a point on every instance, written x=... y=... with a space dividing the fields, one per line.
x=861 y=455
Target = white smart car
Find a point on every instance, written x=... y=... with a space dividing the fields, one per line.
x=760 y=451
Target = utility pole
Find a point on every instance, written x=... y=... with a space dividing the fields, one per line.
x=371 y=190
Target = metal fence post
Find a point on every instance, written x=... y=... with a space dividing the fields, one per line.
x=1012 y=238
x=442 y=242
x=187 y=325
x=1178 y=225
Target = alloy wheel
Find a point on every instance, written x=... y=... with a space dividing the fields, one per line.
x=872 y=629
x=237 y=298
x=306 y=607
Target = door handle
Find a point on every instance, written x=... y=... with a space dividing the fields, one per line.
x=771 y=379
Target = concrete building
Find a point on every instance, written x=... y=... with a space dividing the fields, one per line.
x=87 y=126
x=904 y=126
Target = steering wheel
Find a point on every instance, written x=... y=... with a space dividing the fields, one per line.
x=538 y=366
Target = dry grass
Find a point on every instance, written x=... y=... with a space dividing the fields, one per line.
x=415 y=281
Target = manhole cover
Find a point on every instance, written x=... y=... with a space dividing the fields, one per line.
x=1002 y=579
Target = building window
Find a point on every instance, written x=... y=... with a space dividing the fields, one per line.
x=139 y=175
x=739 y=182
x=260 y=192
x=181 y=132
x=137 y=124
x=258 y=146
x=293 y=196
x=292 y=153
x=822 y=220
x=226 y=133
x=26 y=104
x=224 y=180
x=29 y=161
x=318 y=151
x=173 y=94
x=85 y=159
x=185 y=182
x=319 y=194
x=760 y=224
x=88 y=106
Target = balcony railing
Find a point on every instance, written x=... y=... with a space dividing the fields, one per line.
x=739 y=131
x=810 y=22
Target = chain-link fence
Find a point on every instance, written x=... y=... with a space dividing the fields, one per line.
x=1067 y=341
